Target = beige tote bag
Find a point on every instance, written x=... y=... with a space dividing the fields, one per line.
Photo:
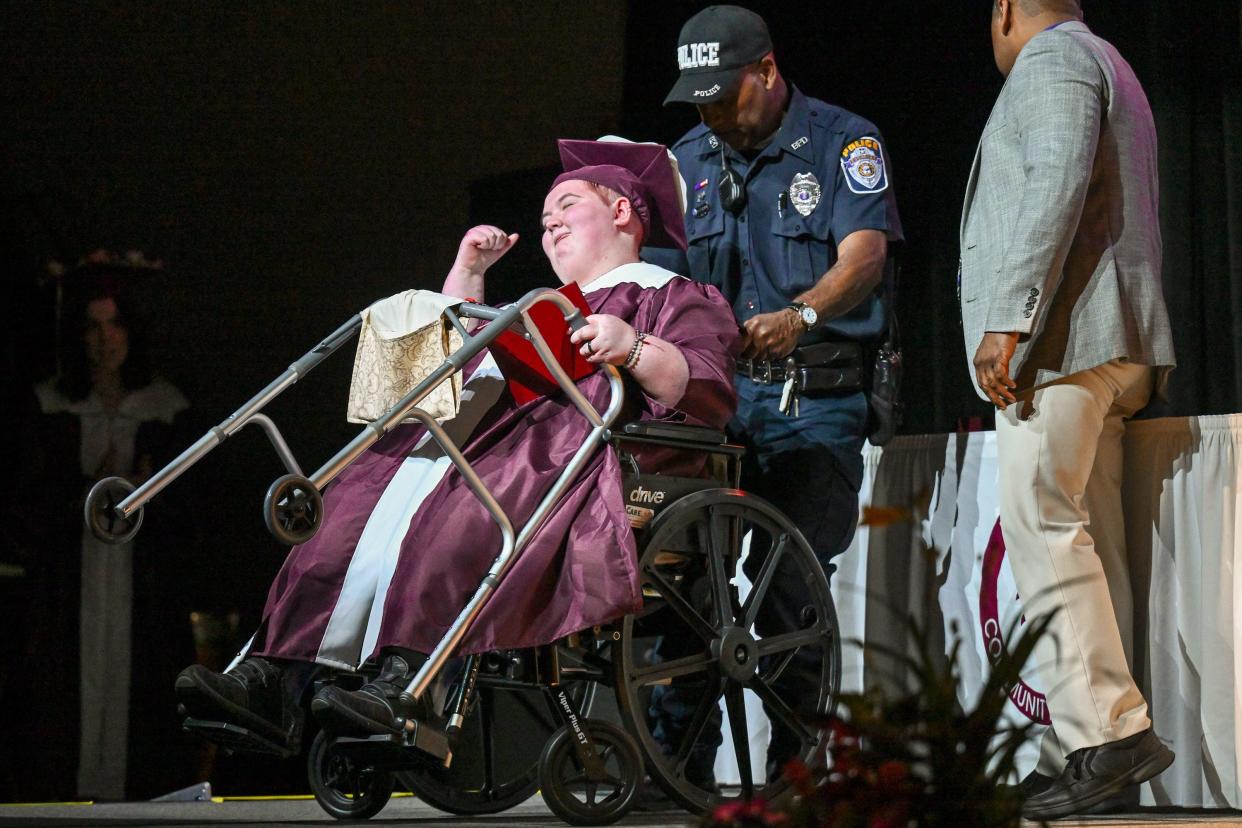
x=403 y=339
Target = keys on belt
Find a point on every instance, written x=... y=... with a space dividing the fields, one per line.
x=821 y=368
x=789 y=392
x=766 y=372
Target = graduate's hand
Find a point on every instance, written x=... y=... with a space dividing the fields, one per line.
x=771 y=335
x=604 y=338
x=992 y=367
x=482 y=247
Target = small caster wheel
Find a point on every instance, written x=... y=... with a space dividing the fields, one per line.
x=102 y=518
x=292 y=509
x=342 y=787
x=567 y=786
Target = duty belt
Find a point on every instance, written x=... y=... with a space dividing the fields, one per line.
x=825 y=366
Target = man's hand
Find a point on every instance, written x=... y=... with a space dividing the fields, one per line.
x=992 y=367
x=481 y=247
x=604 y=338
x=771 y=335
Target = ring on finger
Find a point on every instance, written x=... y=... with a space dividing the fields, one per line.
x=590 y=350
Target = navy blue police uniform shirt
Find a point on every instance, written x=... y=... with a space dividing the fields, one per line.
x=823 y=176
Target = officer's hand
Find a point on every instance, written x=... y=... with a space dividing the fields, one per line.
x=604 y=338
x=481 y=247
x=992 y=367
x=771 y=335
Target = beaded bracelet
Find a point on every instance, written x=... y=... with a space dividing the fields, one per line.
x=637 y=348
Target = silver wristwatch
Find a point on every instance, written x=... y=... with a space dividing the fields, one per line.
x=806 y=314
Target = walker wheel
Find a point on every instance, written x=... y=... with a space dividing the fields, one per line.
x=566 y=785
x=102 y=518
x=342 y=787
x=292 y=509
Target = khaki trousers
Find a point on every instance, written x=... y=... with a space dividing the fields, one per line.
x=1060 y=463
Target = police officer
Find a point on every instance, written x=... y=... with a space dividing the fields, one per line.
x=790 y=214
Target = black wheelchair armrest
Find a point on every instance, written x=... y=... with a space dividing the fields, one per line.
x=697 y=435
x=687 y=438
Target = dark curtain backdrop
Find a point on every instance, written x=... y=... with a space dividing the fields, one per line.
x=1191 y=64
x=923 y=72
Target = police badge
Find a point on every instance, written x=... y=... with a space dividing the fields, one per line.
x=804 y=192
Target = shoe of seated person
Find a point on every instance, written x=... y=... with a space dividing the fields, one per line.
x=1094 y=775
x=375 y=708
x=251 y=695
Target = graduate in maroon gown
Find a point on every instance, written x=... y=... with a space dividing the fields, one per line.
x=404 y=543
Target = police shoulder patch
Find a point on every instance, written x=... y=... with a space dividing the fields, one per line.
x=862 y=161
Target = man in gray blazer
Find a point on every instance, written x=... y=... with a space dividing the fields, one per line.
x=1068 y=335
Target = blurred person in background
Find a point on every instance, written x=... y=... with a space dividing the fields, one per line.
x=90 y=605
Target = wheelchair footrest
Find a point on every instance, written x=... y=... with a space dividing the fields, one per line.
x=236 y=738
x=416 y=734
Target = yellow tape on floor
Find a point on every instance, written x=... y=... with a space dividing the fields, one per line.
x=395 y=795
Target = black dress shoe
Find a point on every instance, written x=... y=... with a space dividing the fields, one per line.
x=250 y=695
x=1095 y=774
x=1035 y=783
x=376 y=708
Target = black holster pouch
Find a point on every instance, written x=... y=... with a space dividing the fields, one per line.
x=884 y=384
x=884 y=394
x=829 y=366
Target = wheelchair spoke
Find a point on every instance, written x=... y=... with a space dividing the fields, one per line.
x=775 y=673
x=708 y=704
x=666 y=670
x=682 y=607
x=717 y=553
x=776 y=707
x=774 y=644
x=735 y=701
x=750 y=610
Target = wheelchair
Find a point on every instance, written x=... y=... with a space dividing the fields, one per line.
x=735 y=604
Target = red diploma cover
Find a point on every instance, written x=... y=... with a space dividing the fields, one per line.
x=521 y=365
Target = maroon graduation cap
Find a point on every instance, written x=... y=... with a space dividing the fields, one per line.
x=640 y=172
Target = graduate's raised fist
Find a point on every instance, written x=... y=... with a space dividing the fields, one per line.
x=482 y=246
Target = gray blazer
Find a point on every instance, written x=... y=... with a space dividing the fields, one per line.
x=1060 y=235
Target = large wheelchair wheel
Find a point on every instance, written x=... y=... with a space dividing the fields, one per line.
x=701 y=639
x=496 y=758
x=343 y=788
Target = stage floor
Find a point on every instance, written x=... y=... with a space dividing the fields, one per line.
x=407 y=810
